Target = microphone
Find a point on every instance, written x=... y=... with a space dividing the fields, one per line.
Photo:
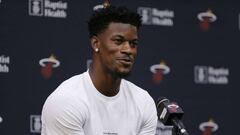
x=169 y=113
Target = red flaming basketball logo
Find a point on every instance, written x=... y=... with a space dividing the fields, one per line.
x=206 y=18
x=173 y=107
x=208 y=127
x=158 y=71
x=47 y=65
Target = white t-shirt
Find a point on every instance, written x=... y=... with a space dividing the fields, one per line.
x=76 y=107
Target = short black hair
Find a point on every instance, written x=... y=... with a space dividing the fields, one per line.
x=101 y=18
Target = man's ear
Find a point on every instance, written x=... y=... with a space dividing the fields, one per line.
x=95 y=43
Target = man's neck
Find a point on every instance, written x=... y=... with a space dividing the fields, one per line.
x=105 y=83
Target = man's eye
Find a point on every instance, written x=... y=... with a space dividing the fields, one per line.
x=134 y=43
x=118 y=41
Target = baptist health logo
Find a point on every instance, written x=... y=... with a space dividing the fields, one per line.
x=35 y=123
x=4 y=64
x=210 y=75
x=154 y=16
x=47 y=8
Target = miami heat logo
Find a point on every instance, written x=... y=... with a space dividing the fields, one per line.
x=206 y=18
x=208 y=127
x=173 y=107
x=158 y=71
x=47 y=65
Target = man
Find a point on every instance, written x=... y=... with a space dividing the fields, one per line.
x=100 y=101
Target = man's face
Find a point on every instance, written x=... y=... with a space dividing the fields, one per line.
x=118 y=48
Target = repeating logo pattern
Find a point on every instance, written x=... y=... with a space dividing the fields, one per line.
x=154 y=16
x=47 y=66
x=47 y=8
x=210 y=75
x=208 y=127
x=1 y=119
x=158 y=71
x=205 y=19
x=36 y=7
x=88 y=63
x=4 y=64
x=35 y=123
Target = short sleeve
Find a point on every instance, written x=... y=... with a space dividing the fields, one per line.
x=149 y=118
x=63 y=116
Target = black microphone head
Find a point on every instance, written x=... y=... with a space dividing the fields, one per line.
x=161 y=100
x=167 y=110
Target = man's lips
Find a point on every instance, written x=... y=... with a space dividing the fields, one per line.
x=125 y=61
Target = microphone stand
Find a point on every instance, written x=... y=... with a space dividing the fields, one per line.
x=178 y=128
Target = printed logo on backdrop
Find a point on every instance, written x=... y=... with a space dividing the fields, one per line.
x=4 y=64
x=239 y=21
x=205 y=19
x=47 y=8
x=88 y=63
x=154 y=16
x=159 y=70
x=35 y=123
x=47 y=65
x=210 y=75
x=1 y=119
x=208 y=128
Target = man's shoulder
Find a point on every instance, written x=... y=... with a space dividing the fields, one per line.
x=72 y=82
x=69 y=90
x=69 y=94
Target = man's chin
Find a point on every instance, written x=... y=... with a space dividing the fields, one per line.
x=124 y=74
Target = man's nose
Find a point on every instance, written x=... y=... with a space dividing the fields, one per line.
x=126 y=47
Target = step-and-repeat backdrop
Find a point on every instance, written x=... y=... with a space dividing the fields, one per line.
x=188 y=52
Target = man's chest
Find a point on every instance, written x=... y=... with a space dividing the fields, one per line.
x=113 y=119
